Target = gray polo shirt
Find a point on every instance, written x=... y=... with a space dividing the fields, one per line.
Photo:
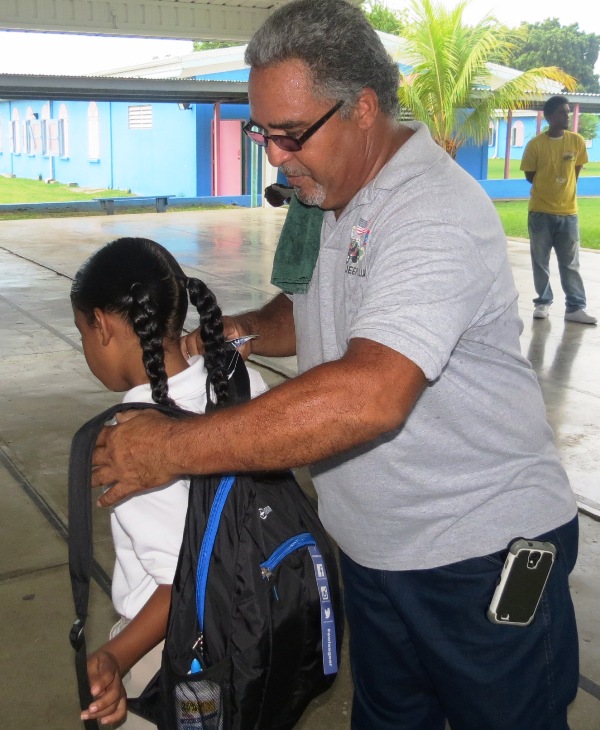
x=418 y=262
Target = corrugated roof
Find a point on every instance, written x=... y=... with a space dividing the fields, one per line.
x=103 y=88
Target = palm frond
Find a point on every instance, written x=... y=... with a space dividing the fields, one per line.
x=449 y=88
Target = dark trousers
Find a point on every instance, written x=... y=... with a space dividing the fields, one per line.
x=422 y=649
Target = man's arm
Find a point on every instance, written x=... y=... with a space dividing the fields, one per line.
x=274 y=325
x=578 y=169
x=529 y=176
x=325 y=411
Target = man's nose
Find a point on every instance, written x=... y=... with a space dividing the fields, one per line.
x=276 y=155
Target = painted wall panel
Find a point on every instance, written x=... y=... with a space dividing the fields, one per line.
x=474 y=160
x=159 y=159
x=76 y=166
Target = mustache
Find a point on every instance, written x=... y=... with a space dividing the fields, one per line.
x=289 y=172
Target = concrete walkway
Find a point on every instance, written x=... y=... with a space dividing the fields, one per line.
x=47 y=392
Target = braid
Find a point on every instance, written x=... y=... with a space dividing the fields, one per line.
x=143 y=318
x=211 y=330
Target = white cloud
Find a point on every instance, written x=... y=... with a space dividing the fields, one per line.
x=61 y=53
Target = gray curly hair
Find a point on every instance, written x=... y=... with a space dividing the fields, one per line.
x=335 y=40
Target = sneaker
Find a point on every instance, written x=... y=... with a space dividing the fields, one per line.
x=580 y=316
x=541 y=311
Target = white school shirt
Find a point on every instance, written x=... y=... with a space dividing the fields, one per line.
x=147 y=528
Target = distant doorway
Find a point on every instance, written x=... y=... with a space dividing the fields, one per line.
x=227 y=171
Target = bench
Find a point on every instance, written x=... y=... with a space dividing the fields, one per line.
x=161 y=202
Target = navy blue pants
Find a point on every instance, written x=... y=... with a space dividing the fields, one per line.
x=422 y=649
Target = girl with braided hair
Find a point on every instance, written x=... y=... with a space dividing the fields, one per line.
x=130 y=300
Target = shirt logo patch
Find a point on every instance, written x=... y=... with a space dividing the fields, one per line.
x=357 y=250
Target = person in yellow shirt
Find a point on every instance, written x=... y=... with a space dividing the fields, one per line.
x=552 y=162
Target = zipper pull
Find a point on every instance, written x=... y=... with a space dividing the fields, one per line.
x=197 y=664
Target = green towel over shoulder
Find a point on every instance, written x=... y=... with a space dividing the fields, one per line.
x=298 y=248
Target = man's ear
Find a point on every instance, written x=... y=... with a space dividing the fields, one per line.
x=366 y=109
x=103 y=324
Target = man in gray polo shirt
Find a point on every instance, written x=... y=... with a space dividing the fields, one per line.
x=423 y=423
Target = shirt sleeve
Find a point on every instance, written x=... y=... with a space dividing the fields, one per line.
x=154 y=523
x=529 y=159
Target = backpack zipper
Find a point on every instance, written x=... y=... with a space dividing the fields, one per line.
x=328 y=633
x=280 y=553
x=208 y=542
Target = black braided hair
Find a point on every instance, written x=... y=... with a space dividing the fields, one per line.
x=140 y=281
x=143 y=315
x=211 y=330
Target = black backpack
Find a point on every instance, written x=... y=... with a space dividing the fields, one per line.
x=256 y=620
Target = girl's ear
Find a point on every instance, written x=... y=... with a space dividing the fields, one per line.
x=104 y=326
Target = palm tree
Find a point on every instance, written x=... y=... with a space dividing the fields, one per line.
x=450 y=84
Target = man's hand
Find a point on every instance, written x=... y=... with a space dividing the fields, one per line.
x=132 y=456
x=110 y=699
x=191 y=344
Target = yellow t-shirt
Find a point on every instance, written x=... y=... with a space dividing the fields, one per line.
x=554 y=159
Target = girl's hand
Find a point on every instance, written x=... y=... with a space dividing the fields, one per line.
x=110 y=699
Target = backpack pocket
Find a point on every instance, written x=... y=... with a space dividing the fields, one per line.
x=199 y=699
x=328 y=633
x=198 y=704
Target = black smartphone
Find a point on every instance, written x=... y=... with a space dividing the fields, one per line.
x=522 y=582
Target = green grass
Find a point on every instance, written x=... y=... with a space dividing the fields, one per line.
x=21 y=190
x=496 y=169
x=513 y=214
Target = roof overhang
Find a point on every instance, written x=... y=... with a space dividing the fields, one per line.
x=107 y=88
x=588 y=103
x=230 y=20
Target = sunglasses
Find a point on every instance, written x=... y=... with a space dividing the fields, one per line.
x=284 y=141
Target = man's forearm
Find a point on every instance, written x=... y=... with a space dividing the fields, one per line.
x=306 y=419
x=313 y=416
x=274 y=325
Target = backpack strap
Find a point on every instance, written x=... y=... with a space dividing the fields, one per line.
x=80 y=512
x=80 y=533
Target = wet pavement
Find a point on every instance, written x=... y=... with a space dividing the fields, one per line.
x=47 y=392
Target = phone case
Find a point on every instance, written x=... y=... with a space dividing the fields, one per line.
x=522 y=582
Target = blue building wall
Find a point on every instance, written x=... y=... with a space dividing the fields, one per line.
x=474 y=159
x=240 y=74
x=173 y=157
x=22 y=164
x=76 y=166
x=159 y=160
x=498 y=148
